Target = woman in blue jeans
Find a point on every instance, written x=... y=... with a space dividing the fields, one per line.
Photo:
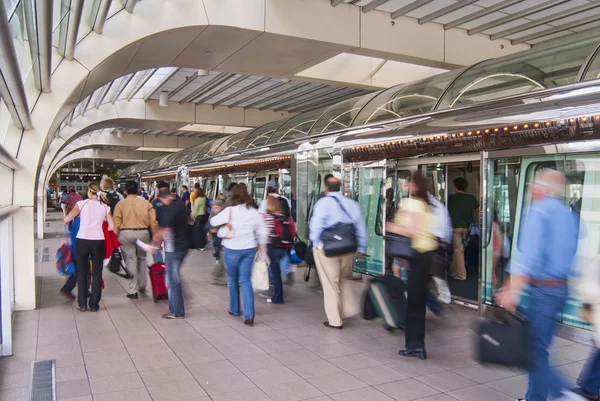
x=247 y=233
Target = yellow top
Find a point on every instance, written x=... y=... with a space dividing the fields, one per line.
x=424 y=240
x=192 y=197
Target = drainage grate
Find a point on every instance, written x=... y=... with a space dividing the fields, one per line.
x=42 y=384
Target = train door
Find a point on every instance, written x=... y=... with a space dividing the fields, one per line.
x=260 y=185
x=365 y=183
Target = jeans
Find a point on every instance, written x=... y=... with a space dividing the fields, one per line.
x=433 y=304
x=276 y=255
x=70 y=283
x=285 y=262
x=158 y=257
x=174 y=260
x=89 y=250
x=589 y=379
x=542 y=309
x=238 y=263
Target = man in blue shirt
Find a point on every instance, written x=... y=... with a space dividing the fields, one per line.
x=547 y=246
x=185 y=197
x=335 y=272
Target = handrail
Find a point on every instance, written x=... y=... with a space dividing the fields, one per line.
x=8 y=211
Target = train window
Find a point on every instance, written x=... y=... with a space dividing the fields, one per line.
x=593 y=70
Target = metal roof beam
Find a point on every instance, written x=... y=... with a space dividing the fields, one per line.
x=161 y=83
x=278 y=94
x=12 y=89
x=188 y=80
x=545 y=20
x=409 y=7
x=301 y=103
x=103 y=94
x=373 y=5
x=329 y=101
x=221 y=89
x=129 y=5
x=86 y=104
x=207 y=86
x=239 y=92
x=305 y=93
x=75 y=11
x=122 y=87
x=98 y=23
x=556 y=29
x=281 y=102
x=481 y=13
x=513 y=17
x=445 y=10
x=141 y=84
x=265 y=90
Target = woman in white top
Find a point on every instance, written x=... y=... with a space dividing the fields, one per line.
x=248 y=235
x=90 y=246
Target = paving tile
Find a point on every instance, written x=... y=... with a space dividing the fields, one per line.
x=14 y=380
x=72 y=388
x=107 y=384
x=294 y=333
x=295 y=356
x=513 y=386
x=254 y=394
x=157 y=376
x=408 y=389
x=336 y=383
x=235 y=351
x=272 y=376
x=110 y=368
x=137 y=394
x=208 y=370
x=12 y=364
x=332 y=350
x=485 y=374
x=413 y=367
x=254 y=362
x=14 y=394
x=446 y=381
x=109 y=355
x=148 y=358
x=67 y=373
x=376 y=375
x=177 y=390
x=82 y=398
x=291 y=391
x=314 y=340
x=225 y=384
x=281 y=324
x=353 y=362
x=362 y=394
x=312 y=369
x=271 y=347
x=438 y=397
x=479 y=393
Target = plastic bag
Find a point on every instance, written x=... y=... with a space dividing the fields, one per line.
x=443 y=290
x=260 y=273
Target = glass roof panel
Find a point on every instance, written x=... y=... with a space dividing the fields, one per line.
x=593 y=69
x=523 y=72
x=137 y=78
x=341 y=114
x=406 y=99
x=260 y=136
x=232 y=143
x=153 y=81
x=297 y=126
x=113 y=89
x=95 y=97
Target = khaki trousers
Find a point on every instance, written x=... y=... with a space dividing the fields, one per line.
x=134 y=257
x=458 y=269
x=335 y=274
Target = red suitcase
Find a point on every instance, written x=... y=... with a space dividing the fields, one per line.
x=158 y=275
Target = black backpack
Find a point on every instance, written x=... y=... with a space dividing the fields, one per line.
x=113 y=199
x=282 y=234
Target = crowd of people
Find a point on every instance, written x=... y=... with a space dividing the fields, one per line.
x=242 y=232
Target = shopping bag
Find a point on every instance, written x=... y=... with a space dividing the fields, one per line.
x=443 y=290
x=260 y=273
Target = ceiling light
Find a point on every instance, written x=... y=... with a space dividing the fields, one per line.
x=96 y=152
x=119 y=132
x=202 y=73
x=163 y=99
x=152 y=149
x=129 y=160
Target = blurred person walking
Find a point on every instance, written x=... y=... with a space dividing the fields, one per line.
x=461 y=206
x=158 y=209
x=329 y=214
x=218 y=271
x=173 y=232
x=282 y=232
x=90 y=246
x=200 y=218
x=247 y=234
x=414 y=219
x=549 y=242
x=135 y=219
x=185 y=197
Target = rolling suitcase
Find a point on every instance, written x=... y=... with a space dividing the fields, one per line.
x=503 y=341
x=387 y=295
x=158 y=276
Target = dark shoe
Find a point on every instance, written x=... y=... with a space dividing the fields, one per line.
x=521 y=399
x=132 y=296
x=143 y=290
x=94 y=309
x=417 y=352
x=585 y=394
x=171 y=317
x=67 y=294
x=326 y=324
x=82 y=308
x=249 y=322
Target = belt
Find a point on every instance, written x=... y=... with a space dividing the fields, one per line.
x=547 y=283
x=134 y=229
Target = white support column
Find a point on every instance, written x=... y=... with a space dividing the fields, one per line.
x=7 y=268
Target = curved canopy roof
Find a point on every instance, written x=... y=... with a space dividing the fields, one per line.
x=531 y=70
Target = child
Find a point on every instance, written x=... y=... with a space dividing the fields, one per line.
x=218 y=272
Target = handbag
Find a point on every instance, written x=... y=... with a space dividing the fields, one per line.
x=300 y=248
x=225 y=231
x=341 y=238
x=260 y=273
x=398 y=246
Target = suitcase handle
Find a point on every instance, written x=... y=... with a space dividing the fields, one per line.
x=500 y=314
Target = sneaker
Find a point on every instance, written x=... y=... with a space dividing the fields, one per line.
x=586 y=395
x=269 y=301
x=133 y=296
x=171 y=317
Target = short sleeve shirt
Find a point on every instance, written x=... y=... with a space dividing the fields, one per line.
x=91 y=216
x=424 y=240
x=461 y=207
x=175 y=217
x=186 y=197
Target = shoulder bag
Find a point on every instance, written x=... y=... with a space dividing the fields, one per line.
x=225 y=231
x=339 y=239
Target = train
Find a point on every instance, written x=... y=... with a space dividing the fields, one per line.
x=495 y=124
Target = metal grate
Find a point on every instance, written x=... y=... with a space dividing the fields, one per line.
x=42 y=384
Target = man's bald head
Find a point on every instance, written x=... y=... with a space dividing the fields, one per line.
x=548 y=182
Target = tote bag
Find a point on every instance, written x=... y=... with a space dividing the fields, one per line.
x=260 y=273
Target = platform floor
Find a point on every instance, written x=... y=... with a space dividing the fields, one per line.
x=127 y=352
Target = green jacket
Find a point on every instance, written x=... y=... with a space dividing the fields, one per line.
x=199 y=207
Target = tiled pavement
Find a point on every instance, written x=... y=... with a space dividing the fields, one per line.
x=127 y=352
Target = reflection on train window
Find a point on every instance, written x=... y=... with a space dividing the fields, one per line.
x=436 y=175
x=210 y=189
x=259 y=189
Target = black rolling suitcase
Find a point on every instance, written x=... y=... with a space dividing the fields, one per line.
x=386 y=298
x=503 y=341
